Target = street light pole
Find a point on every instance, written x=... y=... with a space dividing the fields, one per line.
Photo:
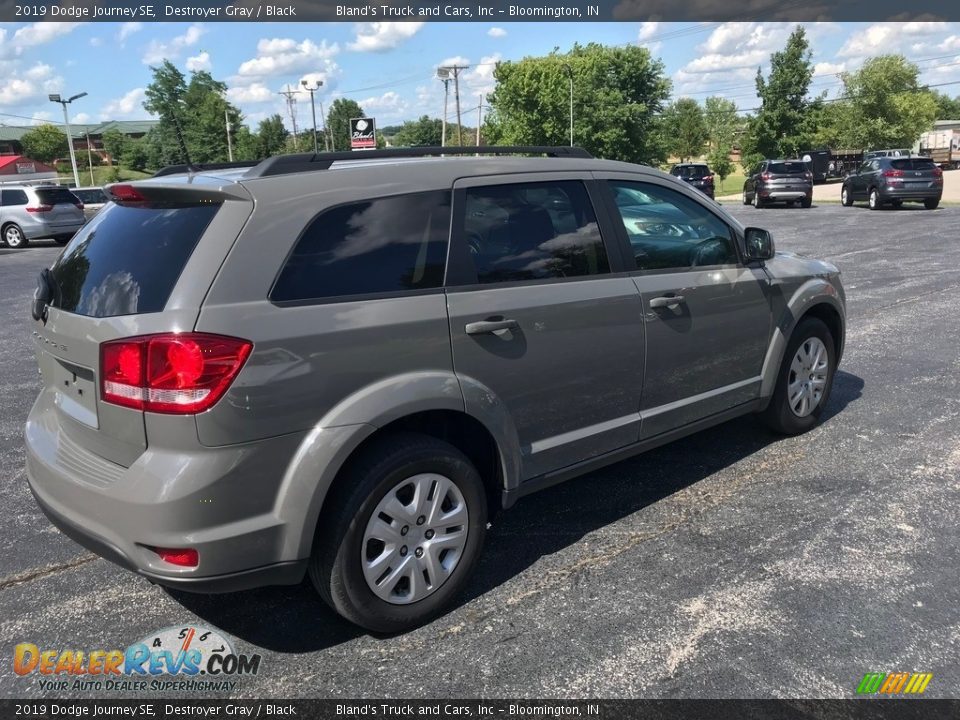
x=443 y=74
x=313 y=109
x=90 y=159
x=66 y=122
x=569 y=72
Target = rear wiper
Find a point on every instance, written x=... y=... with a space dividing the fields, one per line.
x=47 y=292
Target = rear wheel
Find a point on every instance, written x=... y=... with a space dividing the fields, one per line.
x=804 y=380
x=806 y=202
x=401 y=535
x=897 y=203
x=13 y=236
x=874 y=200
x=846 y=199
x=931 y=204
x=757 y=202
x=746 y=198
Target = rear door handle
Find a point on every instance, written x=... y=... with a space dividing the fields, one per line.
x=667 y=301
x=482 y=327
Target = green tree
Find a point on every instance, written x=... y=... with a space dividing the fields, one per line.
x=338 y=121
x=618 y=93
x=884 y=106
x=245 y=144
x=135 y=154
x=686 y=128
x=44 y=143
x=413 y=133
x=723 y=123
x=719 y=162
x=271 y=136
x=947 y=108
x=113 y=142
x=164 y=98
x=783 y=126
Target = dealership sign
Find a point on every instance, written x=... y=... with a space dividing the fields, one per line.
x=363 y=133
x=26 y=168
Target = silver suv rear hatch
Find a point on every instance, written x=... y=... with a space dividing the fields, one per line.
x=139 y=267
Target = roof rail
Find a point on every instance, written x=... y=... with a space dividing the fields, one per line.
x=306 y=162
x=183 y=169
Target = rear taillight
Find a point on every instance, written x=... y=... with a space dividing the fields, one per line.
x=937 y=176
x=766 y=176
x=893 y=173
x=175 y=373
x=39 y=208
x=708 y=178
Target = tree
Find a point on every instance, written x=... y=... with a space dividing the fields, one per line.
x=246 y=145
x=135 y=154
x=164 y=98
x=719 y=161
x=271 y=136
x=723 y=123
x=883 y=105
x=113 y=142
x=686 y=128
x=618 y=93
x=782 y=126
x=45 y=143
x=413 y=133
x=947 y=108
x=338 y=121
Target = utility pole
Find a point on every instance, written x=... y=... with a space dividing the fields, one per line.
x=292 y=110
x=226 y=119
x=444 y=75
x=313 y=110
x=444 y=72
x=66 y=123
x=90 y=159
x=327 y=134
x=479 y=118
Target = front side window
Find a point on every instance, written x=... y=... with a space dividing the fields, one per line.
x=669 y=231
x=382 y=245
x=533 y=231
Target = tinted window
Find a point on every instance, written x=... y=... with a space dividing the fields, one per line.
x=56 y=196
x=787 y=168
x=377 y=246
x=912 y=164
x=14 y=197
x=533 y=231
x=693 y=171
x=668 y=230
x=127 y=258
x=91 y=196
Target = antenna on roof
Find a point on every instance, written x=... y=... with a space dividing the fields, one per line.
x=183 y=145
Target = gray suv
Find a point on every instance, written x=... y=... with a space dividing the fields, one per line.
x=343 y=368
x=43 y=211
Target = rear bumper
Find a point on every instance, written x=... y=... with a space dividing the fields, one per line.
x=221 y=501
x=38 y=230
x=889 y=193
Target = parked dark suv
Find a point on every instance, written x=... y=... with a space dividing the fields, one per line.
x=696 y=174
x=892 y=181
x=343 y=365
x=786 y=181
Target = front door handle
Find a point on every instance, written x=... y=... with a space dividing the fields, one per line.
x=482 y=327
x=667 y=301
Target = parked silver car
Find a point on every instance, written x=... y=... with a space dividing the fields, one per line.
x=344 y=367
x=29 y=212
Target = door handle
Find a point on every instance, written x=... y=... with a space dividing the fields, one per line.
x=482 y=327
x=667 y=301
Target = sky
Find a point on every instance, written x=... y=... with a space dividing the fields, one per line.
x=390 y=68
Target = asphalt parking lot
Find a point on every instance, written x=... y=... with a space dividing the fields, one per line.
x=729 y=564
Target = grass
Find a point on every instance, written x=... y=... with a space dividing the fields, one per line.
x=731 y=185
x=101 y=175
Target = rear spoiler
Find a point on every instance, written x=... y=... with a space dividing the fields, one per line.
x=139 y=192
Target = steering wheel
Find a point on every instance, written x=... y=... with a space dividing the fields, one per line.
x=474 y=242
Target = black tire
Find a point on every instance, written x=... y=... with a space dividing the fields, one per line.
x=778 y=414
x=335 y=566
x=897 y=203
x=806 y=202
x=931 y=204
x=846 y=197
x=874 y=200
x=746 y=198
x=13 y=236
x=757 y=202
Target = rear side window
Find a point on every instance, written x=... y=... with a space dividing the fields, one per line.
x=12 y=198
x=533 y=231
x=127 y=259
x=787 y=168
x=56 y=196
x=383 y=245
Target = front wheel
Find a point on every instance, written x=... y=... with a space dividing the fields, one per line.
x=846 y=198
x=401 y=534
x=13 y=236
x=804 y=380
x=931 y=204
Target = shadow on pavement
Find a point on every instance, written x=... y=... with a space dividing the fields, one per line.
x=295 y=620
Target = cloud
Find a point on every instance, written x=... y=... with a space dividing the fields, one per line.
x=157 y=51
x=479 y=79
x=96 y=42
x=455 y=60
x=81 y=118
x=647 y=31
x=27 y=87
x=33 y=35
x=129 y=104
x=199 y=62
x=127 y=29
x=497 y=32
x=253 y=93
x=280 y=56
x=388 y=101
x=822 y=69
x=892 y=37
x=382 y=36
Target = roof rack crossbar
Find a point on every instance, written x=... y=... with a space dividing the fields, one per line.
x=182 y=169
x=306 y=162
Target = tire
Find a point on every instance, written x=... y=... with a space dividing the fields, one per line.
x=846 y=198
x=897 y=203
x=874 y=200
x=931 y=204
x=806 y=203
x=746 y=200
x=13 y=236
x=757 y=202
x=387 y=473
x=779 y=415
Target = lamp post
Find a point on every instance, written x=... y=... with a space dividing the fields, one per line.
x=313 y=109
x=66 y=122
x=569 y=71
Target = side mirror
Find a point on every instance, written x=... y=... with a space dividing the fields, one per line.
x=758 y=244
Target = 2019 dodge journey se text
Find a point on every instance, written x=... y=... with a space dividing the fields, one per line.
x=342 y=368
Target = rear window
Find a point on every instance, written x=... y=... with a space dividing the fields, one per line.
x=127 y=259
x=382 y=245
x=56 y=196
x=692 y=171
x=91 y=196
x=787 y=168
x=912 y=164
